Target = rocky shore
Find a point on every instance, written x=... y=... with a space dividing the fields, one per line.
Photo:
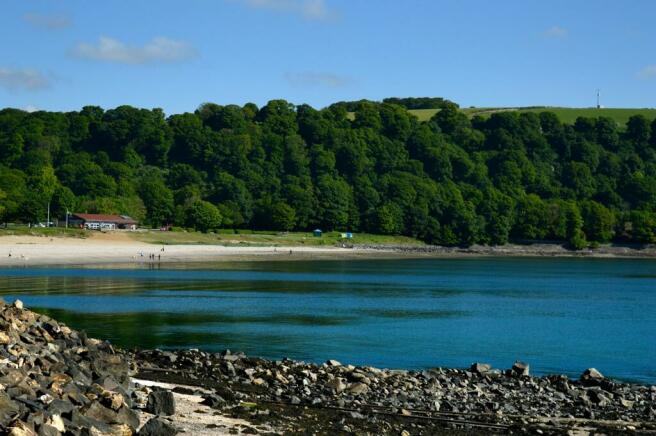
x=54 y=381
x=530 y=249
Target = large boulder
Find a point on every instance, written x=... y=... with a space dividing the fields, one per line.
x=480 y=368
x=161 y=403
x=157 y=427
x=520 y=369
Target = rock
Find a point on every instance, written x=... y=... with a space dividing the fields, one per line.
x=358 y=388
x=480 y=368
x=333 y=363
x=157 y=427
x=337 y=384
x=20 y=428
x=8 y=409
x=4 y=338
x=259 y=381
x=591 y=375
x=598 y=398
x=212 y=400
x=627 y=403
x=18 y=304
x=48 y=430
x=520 y=369
x=57 y=423
x=160 y=403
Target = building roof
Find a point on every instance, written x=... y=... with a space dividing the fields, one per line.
x=116 y=219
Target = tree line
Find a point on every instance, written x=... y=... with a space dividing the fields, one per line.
x=451 y=180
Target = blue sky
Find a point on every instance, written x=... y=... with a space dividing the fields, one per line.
x=62 y=55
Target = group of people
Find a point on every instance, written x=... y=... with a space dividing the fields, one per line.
x=152 y=256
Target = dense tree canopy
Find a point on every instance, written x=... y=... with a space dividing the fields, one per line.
x=451 y=180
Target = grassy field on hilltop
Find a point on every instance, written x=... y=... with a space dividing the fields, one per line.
x=566 y=115
x=264 y=238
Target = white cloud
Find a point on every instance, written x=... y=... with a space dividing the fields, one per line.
x=556 y=32
x=159 y=49
x=31 y=108
x=648 y=72
x=308 y=9
x=14 y=79
x=313 y=78
x=48 y=22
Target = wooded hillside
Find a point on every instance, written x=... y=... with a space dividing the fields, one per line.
x=450 y=180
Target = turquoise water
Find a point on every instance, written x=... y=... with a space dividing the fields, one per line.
x=559 y=315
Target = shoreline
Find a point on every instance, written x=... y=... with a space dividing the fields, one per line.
x=79 y=383
x=120 y=249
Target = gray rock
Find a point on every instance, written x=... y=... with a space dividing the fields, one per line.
x=337 y=384
x=591 y=373
x=213 y=400
x=520 y=368
x=48 y=430
x=157 y=427
x=160 y=403
x=358 y=388
x=480 y=368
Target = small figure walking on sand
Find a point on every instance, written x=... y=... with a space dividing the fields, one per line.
x=162 y=250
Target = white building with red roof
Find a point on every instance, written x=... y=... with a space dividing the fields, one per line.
x=95 y=221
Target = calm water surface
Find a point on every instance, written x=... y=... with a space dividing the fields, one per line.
x=560 y=315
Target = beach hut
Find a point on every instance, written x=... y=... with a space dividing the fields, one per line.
x=317 y=233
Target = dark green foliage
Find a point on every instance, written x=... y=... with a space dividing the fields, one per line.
x=419 y=102
x=450 y=180
x=203 y=216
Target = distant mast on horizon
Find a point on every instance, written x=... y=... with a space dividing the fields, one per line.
x=598 y=98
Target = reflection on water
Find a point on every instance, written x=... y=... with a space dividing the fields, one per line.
x=561 y=315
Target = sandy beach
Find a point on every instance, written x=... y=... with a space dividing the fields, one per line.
x=106 y=248
x=121 y=248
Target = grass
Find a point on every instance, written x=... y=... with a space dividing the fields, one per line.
x=264 y=238
x=566 y=114
x=23 y=230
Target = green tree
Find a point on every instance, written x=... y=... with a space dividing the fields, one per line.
x=390 y=219
x=203 y=216
x=530 y=218
x=598 y=221
x=158 y=199
x=643 y=227
x=283 y=216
